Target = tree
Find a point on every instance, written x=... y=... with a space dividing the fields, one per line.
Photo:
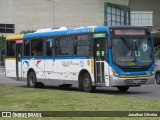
x=2 y=39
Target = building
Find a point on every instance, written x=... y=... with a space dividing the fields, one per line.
x=147 y=12
x=18 y=15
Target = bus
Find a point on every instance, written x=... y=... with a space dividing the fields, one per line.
x=89 y=57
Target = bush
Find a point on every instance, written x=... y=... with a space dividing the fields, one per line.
x=26 y=31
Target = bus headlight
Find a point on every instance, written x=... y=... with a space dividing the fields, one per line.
x=115 y=73
x=153 y=72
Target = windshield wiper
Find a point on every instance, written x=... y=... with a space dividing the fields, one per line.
x=126 y=43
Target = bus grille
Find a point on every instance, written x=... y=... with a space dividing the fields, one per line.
x=135 y=81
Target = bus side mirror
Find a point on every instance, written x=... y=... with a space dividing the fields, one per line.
x=109 y=43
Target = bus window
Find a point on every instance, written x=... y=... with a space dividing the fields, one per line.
x=61 y=49
x=66 y=46
x=70 y=45
x=50 y=47
x=37 y=47
x=11 y=47
x=26 y=47
x=83 y=43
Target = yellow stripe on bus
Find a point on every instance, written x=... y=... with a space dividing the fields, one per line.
x=92 y=66
x=92 y=29
x=10 y=58
x=14 y=37
x=147 y=75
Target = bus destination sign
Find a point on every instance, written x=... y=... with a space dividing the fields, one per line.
x=129 y=32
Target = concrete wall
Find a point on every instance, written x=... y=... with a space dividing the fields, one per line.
x=148 y=5
x=36 y=14
x=26 y=14
x=79 y=12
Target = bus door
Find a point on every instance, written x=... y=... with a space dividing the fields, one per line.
x=19 y=46
x=99 y=57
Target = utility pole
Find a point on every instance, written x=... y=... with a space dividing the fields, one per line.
x=53 y=14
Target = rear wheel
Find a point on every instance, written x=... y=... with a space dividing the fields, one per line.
x=87 y=83
x=123 y=88
x=158 y=78
x=32 y=81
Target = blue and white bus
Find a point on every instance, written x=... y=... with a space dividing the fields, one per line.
x=90 y=57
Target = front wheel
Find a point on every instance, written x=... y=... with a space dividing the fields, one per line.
x=123 y=88
x=158 y=78
x=87 y=83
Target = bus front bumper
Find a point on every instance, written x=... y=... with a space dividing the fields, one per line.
x=136 y=81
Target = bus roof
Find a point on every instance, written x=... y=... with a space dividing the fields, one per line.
x=67 y=32
x=14 y=37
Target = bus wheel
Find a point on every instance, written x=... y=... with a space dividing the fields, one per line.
x=40 y=85
x=123 y=88
x=87 y=83
x=158 y=78
x=31 y=80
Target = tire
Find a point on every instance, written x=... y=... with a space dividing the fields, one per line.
x=123 y=88
x=31 y=80
x=87 y=83
x=40 y=85
x=158 y=78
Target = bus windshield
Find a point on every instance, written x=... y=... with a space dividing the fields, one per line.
x=131 y=51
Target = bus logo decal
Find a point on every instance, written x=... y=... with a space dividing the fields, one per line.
x=38 y=61
x=26 y=63
x=65 y=63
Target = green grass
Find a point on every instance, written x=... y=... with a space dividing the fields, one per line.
x=26 y=99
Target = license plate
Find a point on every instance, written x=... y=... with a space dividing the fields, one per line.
x=136 y=81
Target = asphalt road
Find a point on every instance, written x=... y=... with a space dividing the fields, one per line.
x=145 y=91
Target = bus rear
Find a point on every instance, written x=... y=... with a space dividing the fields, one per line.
x=131 y=57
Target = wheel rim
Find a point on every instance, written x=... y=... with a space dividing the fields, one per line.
x=86 y=82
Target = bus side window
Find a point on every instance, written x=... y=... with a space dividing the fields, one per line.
x=75 y=45
x=82 y=45
x=62 y=42
x=37 y=47
x=49 y=46
x=32 y=48
x=66 y=46
x=69 y=48
x=11 y=46
x=56 y=45
x=26 y=47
